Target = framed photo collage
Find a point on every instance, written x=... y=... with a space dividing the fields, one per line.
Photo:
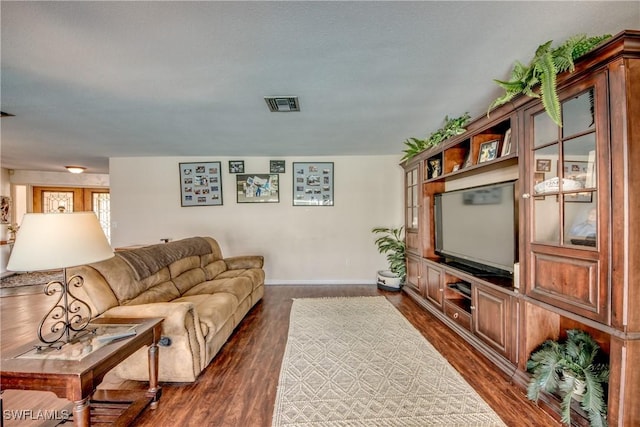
x=201 y=183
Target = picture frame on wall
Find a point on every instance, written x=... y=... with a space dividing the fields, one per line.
x=258 y=188
x=313 y=184
x=277 y=166
x=236 y=166
x=200 y=184
x=5 y=209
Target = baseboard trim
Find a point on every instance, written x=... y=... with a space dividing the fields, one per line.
x=320 y=282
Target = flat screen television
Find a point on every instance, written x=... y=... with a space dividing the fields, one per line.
x=476 y=228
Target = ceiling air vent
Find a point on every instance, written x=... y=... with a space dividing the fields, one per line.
x=281 y=104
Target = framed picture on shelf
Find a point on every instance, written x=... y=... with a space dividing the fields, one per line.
x=276 y=166
x=582 y=197
x=543 y=165
x=488 y=151
x=506 y=143
x=435 y=168
x=200 y=184
x=313 y=184
x=236 y=166
x=258 y=188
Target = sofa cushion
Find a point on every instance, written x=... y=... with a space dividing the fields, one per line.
x=256 y=275
x=213 y=269
x=214 y=310
x=241 y=287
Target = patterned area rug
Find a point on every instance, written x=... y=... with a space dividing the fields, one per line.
x=30 y=279
x=359 y=362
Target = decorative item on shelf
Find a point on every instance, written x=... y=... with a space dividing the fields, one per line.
x=451 y=128
x=542 y=70
x=488 y=151
x=577 y=369
x=52 y=241
x=13 y=229
x=393 y=245
x=435 y=168
x=506 y=143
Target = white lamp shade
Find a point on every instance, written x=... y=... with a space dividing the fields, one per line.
x=58 y=240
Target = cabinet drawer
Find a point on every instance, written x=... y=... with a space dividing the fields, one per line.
x=458 y=315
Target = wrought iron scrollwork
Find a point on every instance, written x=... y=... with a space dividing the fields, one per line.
x=68 y=314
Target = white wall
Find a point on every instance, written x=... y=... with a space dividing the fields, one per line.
x=301 y=245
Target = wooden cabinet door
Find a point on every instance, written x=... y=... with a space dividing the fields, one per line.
x=413 y=272
x=493 y=321
x=567 y=172
x=434 y=285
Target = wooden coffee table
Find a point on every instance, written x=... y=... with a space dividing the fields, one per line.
x=76 y=376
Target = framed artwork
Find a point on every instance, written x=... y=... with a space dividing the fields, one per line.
x=506 y=143
x=543 y=165
x=576 y=171
x=5 y=209
x=582 y=197
x=236 y=166
x=200 y=184
x=276 y=166
x=258 y=188
x=435 y=168
x=488 y=151
x=313 y=183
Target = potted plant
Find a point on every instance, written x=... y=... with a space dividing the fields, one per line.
x=542 y=70
x=452 y=127
x=574 y=368
x=392 y=244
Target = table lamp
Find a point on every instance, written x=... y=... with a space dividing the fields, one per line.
x=60 y=240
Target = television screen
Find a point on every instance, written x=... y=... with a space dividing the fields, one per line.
x=477 y=227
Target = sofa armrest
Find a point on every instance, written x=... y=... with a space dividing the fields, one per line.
x=184 y=358
x=178 y=316
x=244 y=262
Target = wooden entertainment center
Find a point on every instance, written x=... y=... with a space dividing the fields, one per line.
x=563 y=278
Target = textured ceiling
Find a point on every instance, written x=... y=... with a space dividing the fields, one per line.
x=92 y=80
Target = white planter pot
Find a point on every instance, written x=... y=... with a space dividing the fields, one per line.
x=388 y=280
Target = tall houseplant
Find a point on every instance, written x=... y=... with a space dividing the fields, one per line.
x=576 y=369
x=542 y=70
x=391 y=243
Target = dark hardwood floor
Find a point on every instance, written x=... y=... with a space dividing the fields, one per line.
x=239 y=387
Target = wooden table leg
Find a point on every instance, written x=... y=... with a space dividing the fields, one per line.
x=154 y=388
x=82 y=412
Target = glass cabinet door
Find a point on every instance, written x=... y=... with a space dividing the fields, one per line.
x=411 y=198
x=564 y=189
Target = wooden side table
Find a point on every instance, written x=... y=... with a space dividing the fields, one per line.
x=77 y=377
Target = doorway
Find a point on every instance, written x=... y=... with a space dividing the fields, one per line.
x=72 y=199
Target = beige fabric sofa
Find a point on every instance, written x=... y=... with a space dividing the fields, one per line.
x=201 y=296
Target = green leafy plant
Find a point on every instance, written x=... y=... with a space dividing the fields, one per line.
x=452 y=127
x=542 y=70
x=575 y=368
x=392 y=244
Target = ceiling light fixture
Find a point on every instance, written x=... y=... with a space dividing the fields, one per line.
x=282 y=104
x=75 y=169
